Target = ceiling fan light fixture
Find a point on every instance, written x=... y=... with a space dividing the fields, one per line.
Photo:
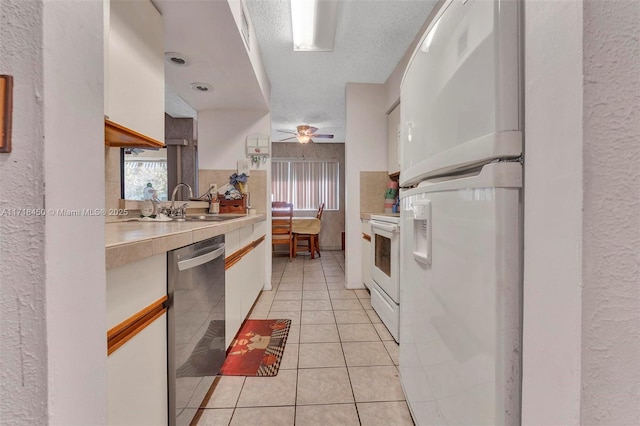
x=303 y=138
x=308 y=35
x=304 y=129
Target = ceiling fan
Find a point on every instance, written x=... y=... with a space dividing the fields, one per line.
x=304 y=133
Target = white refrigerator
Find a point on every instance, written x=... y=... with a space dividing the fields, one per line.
x=461 y=217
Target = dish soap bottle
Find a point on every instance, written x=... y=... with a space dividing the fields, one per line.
x=148 y=192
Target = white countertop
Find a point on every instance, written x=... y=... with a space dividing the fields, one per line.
x=128 y=241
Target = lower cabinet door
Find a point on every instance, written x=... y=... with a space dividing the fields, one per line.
x=233 y=301
x=137 y=391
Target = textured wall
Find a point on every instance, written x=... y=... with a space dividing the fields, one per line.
x=332 y=221
x=52 y=303
x=23 y=376
x=611 y=294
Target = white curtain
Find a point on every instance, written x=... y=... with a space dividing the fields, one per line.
x=306 y=184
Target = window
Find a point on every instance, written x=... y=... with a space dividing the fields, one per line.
x=142 y=166
x=306 y=184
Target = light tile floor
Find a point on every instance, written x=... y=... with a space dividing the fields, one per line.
x=339 y=365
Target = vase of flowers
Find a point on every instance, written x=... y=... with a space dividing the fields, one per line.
x=239 y=181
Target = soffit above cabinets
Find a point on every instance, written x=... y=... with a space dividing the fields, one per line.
x=207 y=35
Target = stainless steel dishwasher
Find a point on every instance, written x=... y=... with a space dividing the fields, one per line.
x=196 y=348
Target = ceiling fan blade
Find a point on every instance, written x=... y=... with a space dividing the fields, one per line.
x=287 y=139
x=312 y=130
x=287 y=131
x=323 y=136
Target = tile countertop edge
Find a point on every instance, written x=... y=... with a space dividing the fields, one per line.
x=128 y=242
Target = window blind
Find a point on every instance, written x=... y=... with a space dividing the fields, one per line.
x=306 y=184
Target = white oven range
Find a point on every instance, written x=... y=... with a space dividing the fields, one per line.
x=385 y=272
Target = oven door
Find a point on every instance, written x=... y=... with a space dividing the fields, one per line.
x=385 y=256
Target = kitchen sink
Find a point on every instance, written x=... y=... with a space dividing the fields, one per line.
x=212 y=217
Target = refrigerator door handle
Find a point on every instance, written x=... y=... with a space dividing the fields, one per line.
x=422 y=230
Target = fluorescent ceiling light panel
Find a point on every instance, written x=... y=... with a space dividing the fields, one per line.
x=314 y=24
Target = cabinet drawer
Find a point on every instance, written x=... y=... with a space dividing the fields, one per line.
x=133 y=286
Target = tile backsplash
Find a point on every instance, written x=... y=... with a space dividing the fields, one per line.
x=256 y=185
x=372 y=188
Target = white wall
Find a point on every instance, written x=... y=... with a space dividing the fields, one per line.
x=222 y=136
x=553 y=213
x=611 y=231
x=53 y=276
x=222 y=142
x=365 y=150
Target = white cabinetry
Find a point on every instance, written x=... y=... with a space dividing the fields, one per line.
x=366 y=253
x=393 y=135
x=137 y=378
x=245 y=277
x=134 y=65
x=137 y=370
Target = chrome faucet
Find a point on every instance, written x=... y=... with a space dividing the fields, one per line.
x=178 y=213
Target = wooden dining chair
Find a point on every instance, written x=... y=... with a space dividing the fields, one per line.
x=281 y=220
x=313 y=240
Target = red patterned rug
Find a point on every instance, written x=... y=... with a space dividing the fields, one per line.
x=257 y=349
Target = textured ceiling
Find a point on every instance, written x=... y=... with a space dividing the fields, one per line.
x=306 y=87
x=309 y=87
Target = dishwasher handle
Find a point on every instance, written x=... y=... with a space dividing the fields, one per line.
x=183 y=265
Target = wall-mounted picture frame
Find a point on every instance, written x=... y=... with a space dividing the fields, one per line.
x=6 y=109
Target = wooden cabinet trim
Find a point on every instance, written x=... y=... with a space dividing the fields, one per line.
x=116 y=135
x=366 y=237
x=127 y=329
x=235 y=257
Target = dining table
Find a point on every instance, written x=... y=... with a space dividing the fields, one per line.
x=305 y=225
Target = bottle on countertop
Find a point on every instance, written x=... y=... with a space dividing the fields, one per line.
x=214 y=205
x=148 y=193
